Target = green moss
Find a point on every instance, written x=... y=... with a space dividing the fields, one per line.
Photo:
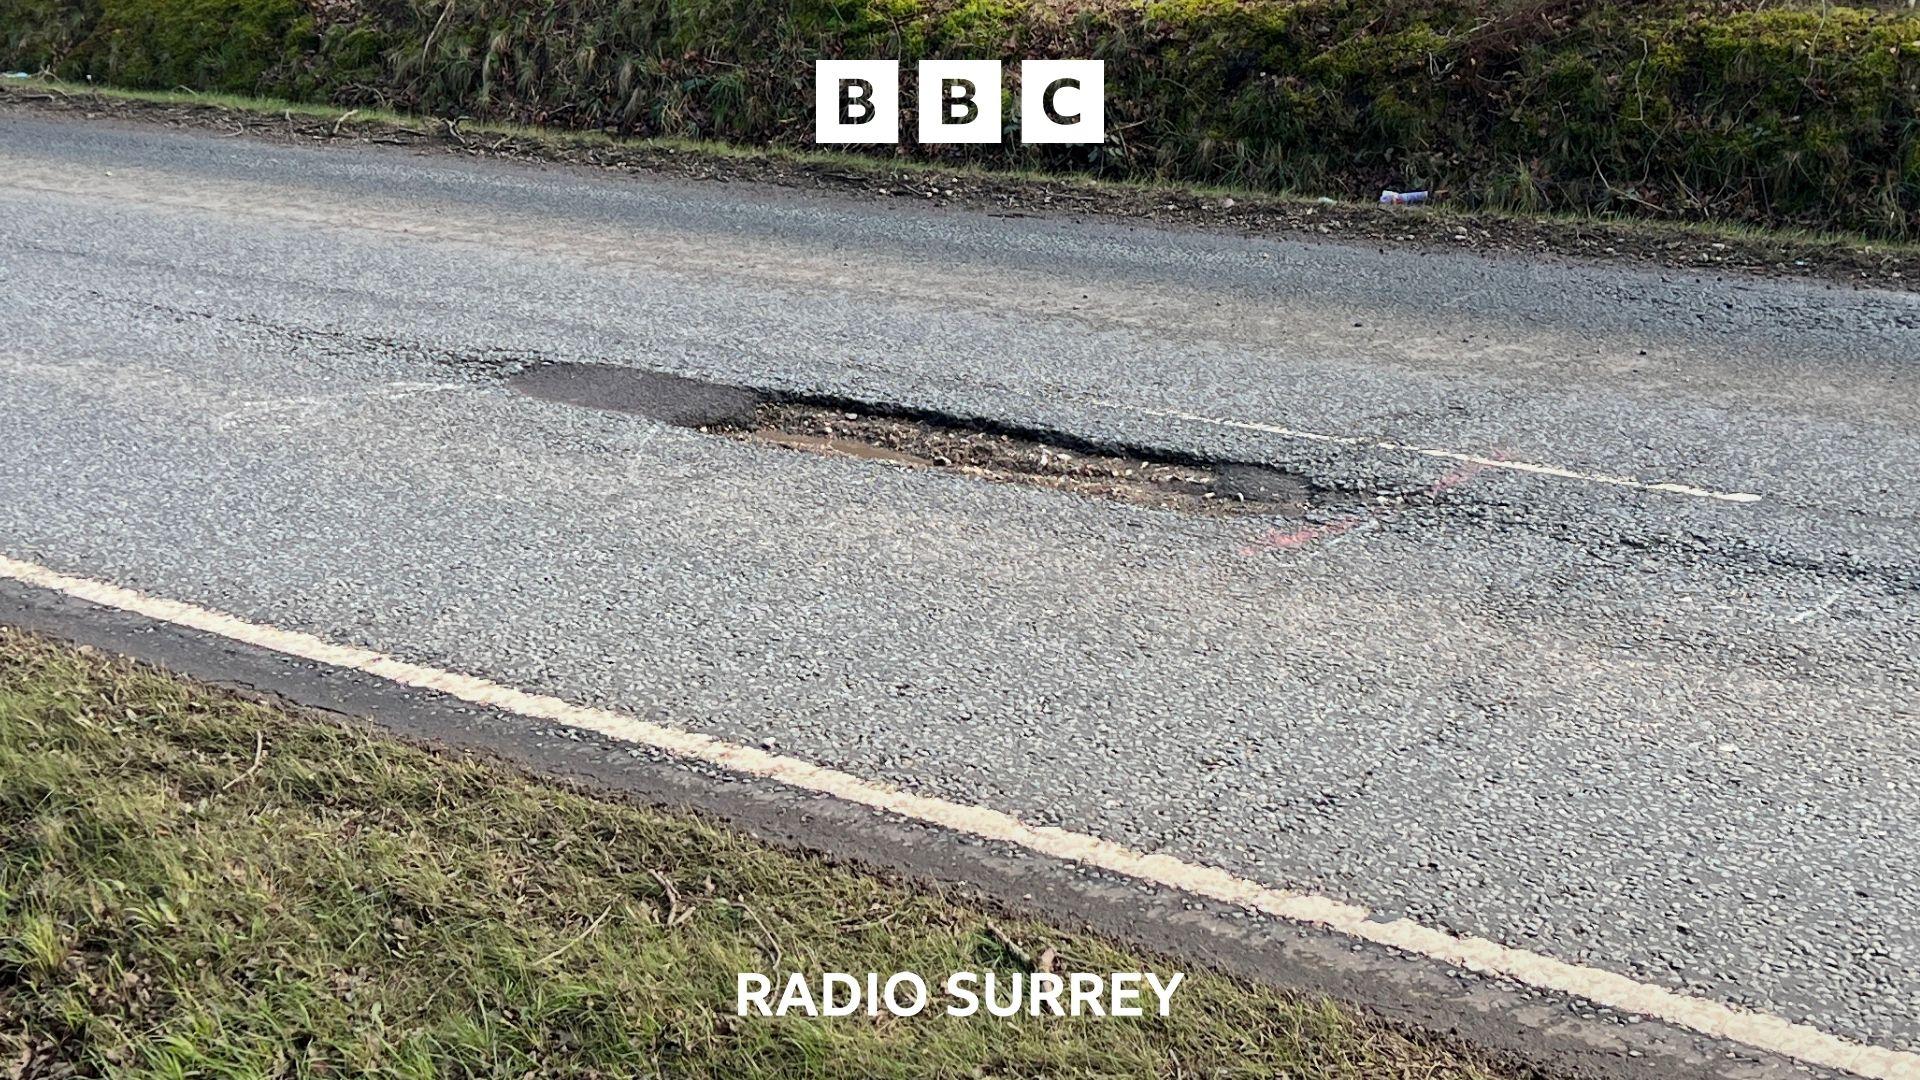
x=979 y=27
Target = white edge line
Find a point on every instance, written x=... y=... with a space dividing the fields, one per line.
x=1664 y=487
x=1755 y=1030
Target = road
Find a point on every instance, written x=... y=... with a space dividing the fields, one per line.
x=1664 y=727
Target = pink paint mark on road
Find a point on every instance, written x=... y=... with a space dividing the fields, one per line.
x=1294 y=539
x=1299 y=538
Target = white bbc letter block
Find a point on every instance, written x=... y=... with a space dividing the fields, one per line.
x=1063 y=101
x=959 y=101
x=856 y=101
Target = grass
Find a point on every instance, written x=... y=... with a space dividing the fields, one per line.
x=193 y=885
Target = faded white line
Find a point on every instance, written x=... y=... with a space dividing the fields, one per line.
x=260 y=408
x=1665 y=487
x=1759 y=1031
x=1818 y=608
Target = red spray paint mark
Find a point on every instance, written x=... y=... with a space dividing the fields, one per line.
x=1293 y=540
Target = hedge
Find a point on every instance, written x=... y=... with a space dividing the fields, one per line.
x=1792 y=114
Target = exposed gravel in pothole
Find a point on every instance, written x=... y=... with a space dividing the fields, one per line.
x=1193 y=487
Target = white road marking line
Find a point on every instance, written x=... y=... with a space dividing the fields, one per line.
x=1817 y=608
x=1759 y=1031
x=393 y=391
x=1662 y=486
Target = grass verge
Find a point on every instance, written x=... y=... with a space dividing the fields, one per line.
x=192 y=884
x=1837 y=257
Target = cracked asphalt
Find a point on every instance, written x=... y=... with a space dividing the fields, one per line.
x=1668 y=736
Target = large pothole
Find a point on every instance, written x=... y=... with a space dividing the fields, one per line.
x=920 y=440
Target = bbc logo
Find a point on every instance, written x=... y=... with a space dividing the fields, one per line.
x=858 y=101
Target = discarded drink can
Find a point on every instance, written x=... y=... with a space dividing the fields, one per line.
x=1402 y=198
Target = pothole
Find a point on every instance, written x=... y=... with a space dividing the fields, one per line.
x=925 y=441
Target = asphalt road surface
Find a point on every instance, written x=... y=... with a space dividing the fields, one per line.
x=1630 y=682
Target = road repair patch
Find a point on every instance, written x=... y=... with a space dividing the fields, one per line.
x=670 y=399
